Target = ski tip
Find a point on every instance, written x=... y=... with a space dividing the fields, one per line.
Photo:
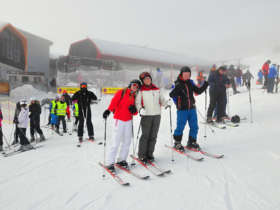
x=167 y=172
x=220 y=156
x=145 y=177
x=161 y=174
x=126 y=184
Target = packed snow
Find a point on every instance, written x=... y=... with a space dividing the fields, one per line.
x=60 y=175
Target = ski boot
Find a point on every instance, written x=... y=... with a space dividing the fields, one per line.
x=144 y=160
x=80 y=139
x=123 y=164
x=209 y=120
x=42 y=137
x=151 y=158
x=192 y=144
x=111 y=168
x=177 y=143
x=91 y=138
x=32 y=138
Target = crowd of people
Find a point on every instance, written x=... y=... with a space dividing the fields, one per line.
x=268 y=75
x=142 y=97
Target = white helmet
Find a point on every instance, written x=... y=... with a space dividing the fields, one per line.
x=23 y=102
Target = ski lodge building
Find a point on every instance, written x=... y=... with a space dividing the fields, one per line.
x=24 y=57
x=116 y=56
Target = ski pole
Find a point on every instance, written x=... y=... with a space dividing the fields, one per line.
x=171 y=132
x=135 y=147
x=104 y=148
x=205 y=112
x=250 y=100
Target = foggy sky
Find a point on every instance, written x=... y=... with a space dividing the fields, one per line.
x=209 y=29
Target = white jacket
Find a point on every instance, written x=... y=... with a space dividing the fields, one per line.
x=23 y=118
x=150 y=101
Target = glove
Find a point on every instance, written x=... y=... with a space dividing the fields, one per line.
x=15 y=121
x=106 y=113
x=132 y=109
x=168 y=107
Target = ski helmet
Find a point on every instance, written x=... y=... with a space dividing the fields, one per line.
x=185 y=69
x=143 y=75
x=135 y=81
x=235 y=119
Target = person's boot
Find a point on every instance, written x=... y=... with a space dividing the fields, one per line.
x=32 y=138
x=209 y=120
x=80 y=139
x=123 y=164
x=192 y=143
x=91 y=138
x=177 y=143
x=111 y=168
x=42 y=137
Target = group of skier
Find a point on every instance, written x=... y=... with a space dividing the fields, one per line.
x=270 y=73
x=143 y=97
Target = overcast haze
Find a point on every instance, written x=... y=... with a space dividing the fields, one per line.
x=216 y=29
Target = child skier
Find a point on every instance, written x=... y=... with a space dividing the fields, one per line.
x=53 y=112
x=35 y=112
x=1 y=133
x=75 y=109
x=22 y=126
x=123 y=107
x=183 y=97
x=60 y=110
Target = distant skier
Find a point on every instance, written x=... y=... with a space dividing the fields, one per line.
x=183 y=97
x=1 y=132
x=260 y=78
x=76 y=114
x=15 y=121
x=231 y=74
x=60 y=110
x=265 y=70
x=22 y=126
x=271 y=77
x=68 y=102
x=84 y=98
x=247 y=78
x=218 y=83
x=123 y=107
x=35 y=112
x=148 y=102
x=53 y=113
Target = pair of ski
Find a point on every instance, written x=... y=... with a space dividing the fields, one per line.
x=15 y=152
x=217 y=156
x=152 y=167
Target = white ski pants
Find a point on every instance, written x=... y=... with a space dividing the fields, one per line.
x=122 y=133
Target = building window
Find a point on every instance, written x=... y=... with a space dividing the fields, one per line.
x=25 y=79
x=37 y=80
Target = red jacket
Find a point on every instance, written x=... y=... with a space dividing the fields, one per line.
x=265 y=68
x=119 y=105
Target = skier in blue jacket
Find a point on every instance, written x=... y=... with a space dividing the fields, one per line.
x=182 y=96
x=272 y=73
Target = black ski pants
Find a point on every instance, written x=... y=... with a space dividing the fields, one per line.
x=35 y=125
x=61 y=118
x=85 y=115
x=147 y=142
x=217 y=98
x=22 y=136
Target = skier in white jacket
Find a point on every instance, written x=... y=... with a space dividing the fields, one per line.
x=148 y=102
x=23 y=119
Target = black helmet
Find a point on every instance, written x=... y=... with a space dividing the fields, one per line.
x=235 y=119
x=135 y=81
x=185 y=69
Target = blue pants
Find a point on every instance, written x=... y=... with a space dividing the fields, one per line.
x=182 y=117
x=53 y=119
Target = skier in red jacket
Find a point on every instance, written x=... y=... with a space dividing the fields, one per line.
x=123 y=107
x=265 y=70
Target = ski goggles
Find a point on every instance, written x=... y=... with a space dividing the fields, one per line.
x=83 y=86
x=144 y=74
x=135 y=85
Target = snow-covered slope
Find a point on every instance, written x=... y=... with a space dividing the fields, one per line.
x=61 y=176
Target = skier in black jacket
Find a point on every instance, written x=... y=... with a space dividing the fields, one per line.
x=35 y=112
x=183 y=97
x=84 y=98
x=218 y=82
x=15 y=121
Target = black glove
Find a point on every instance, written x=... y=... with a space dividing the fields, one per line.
x=106 y=113
x=16 y=121
x=132 y=109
